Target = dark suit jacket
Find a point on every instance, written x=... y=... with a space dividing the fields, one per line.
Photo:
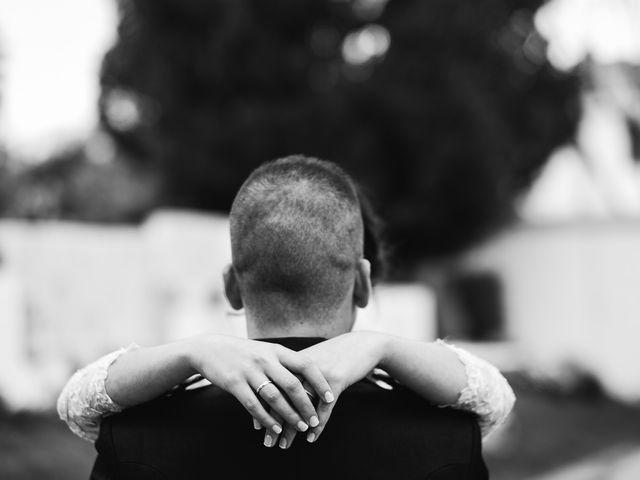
x=373 y=434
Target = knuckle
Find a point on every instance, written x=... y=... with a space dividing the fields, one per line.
x=333 y=376
x=259 y=360
x=251 y=405
x=292 y=385
x=305 y=362
x=266 y=360
x=271 y=394
x=231 y=381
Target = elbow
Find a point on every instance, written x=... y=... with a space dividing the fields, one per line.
x=62 y=404
x=510 y=398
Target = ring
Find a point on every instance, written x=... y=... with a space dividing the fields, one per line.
x=310 y=394
x=262 y=385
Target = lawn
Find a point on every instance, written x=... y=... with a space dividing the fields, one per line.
x=548 y=431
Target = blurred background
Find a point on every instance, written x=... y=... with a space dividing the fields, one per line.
x=498 y=139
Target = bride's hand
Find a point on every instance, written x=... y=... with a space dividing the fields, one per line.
x=241 y=367
x=343 y=360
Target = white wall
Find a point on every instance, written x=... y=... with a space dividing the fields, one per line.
x=572 y=294
x=71 y=292
x=84 y=290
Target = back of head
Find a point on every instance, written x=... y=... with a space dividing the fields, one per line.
x=296 y=236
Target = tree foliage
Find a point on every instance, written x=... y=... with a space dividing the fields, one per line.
x=445 y=130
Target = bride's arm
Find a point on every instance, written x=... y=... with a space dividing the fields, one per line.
x=136 y=375
x=84 y=401
x=441 y=373
x=450 y=376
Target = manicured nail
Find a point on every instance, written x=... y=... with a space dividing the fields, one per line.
x=256 y=424
x=328 y=397
x=311 y=437
x=302 y=426
x=268 y=441
x=314 y=422
x=277 y=428
x=283 y=443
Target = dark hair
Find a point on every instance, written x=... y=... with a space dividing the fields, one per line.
x=375 y=249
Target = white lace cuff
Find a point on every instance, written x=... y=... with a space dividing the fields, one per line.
x=84 y=401
x=487 y=393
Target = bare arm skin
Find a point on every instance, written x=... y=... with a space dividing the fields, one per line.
x=143 y=374
x=429 y=369
x=236 y=365
x=433 y=370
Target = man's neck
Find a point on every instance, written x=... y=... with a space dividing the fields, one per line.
x=258 y=327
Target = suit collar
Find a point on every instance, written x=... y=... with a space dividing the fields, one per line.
x=294 y=343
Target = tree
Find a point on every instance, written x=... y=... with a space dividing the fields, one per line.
x=445 y=129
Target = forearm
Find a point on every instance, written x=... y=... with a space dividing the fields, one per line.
x=429 y=369
x=144 y=374
x=450 y=376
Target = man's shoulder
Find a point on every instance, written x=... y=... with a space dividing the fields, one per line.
x=396 y=405
x=373 y=431
x=369 y=416
x=386 y=398
x=178 y=406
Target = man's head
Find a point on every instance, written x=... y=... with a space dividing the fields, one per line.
x=297 y=245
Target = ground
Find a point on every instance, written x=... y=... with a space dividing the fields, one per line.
x=41 y=447
x=550 y=432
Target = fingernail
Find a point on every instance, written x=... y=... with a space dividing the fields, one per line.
x=283 y=443
x=268 y=441
x=311 y=437
x=328 y=397
x=256 y=424
x=314 y=422
x=277 y=428
x=302 y=426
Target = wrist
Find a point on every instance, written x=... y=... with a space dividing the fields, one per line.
x=389 y=345
x=187 y=355
x=379 y=344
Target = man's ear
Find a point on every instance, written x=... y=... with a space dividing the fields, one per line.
x=231 y=287
x=362 y=288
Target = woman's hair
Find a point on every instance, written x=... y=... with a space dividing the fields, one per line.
x=375 y=249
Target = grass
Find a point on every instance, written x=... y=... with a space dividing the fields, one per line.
x=548 y=430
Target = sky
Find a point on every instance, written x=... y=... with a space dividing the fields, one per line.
x=600 y=180
x=51 y=52
x=608 y=30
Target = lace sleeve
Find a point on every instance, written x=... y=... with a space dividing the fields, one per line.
x=487 y=392
x=84 y=401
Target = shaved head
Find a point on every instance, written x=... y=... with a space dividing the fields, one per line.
x=296 y=237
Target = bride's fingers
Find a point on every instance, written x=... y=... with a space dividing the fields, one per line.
x=274 y=398
x=256 y=424
x=270 y=438
x=324 y=413
x=300 y=363
x=296 y=394
x=250 y=402
x=287 y=437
